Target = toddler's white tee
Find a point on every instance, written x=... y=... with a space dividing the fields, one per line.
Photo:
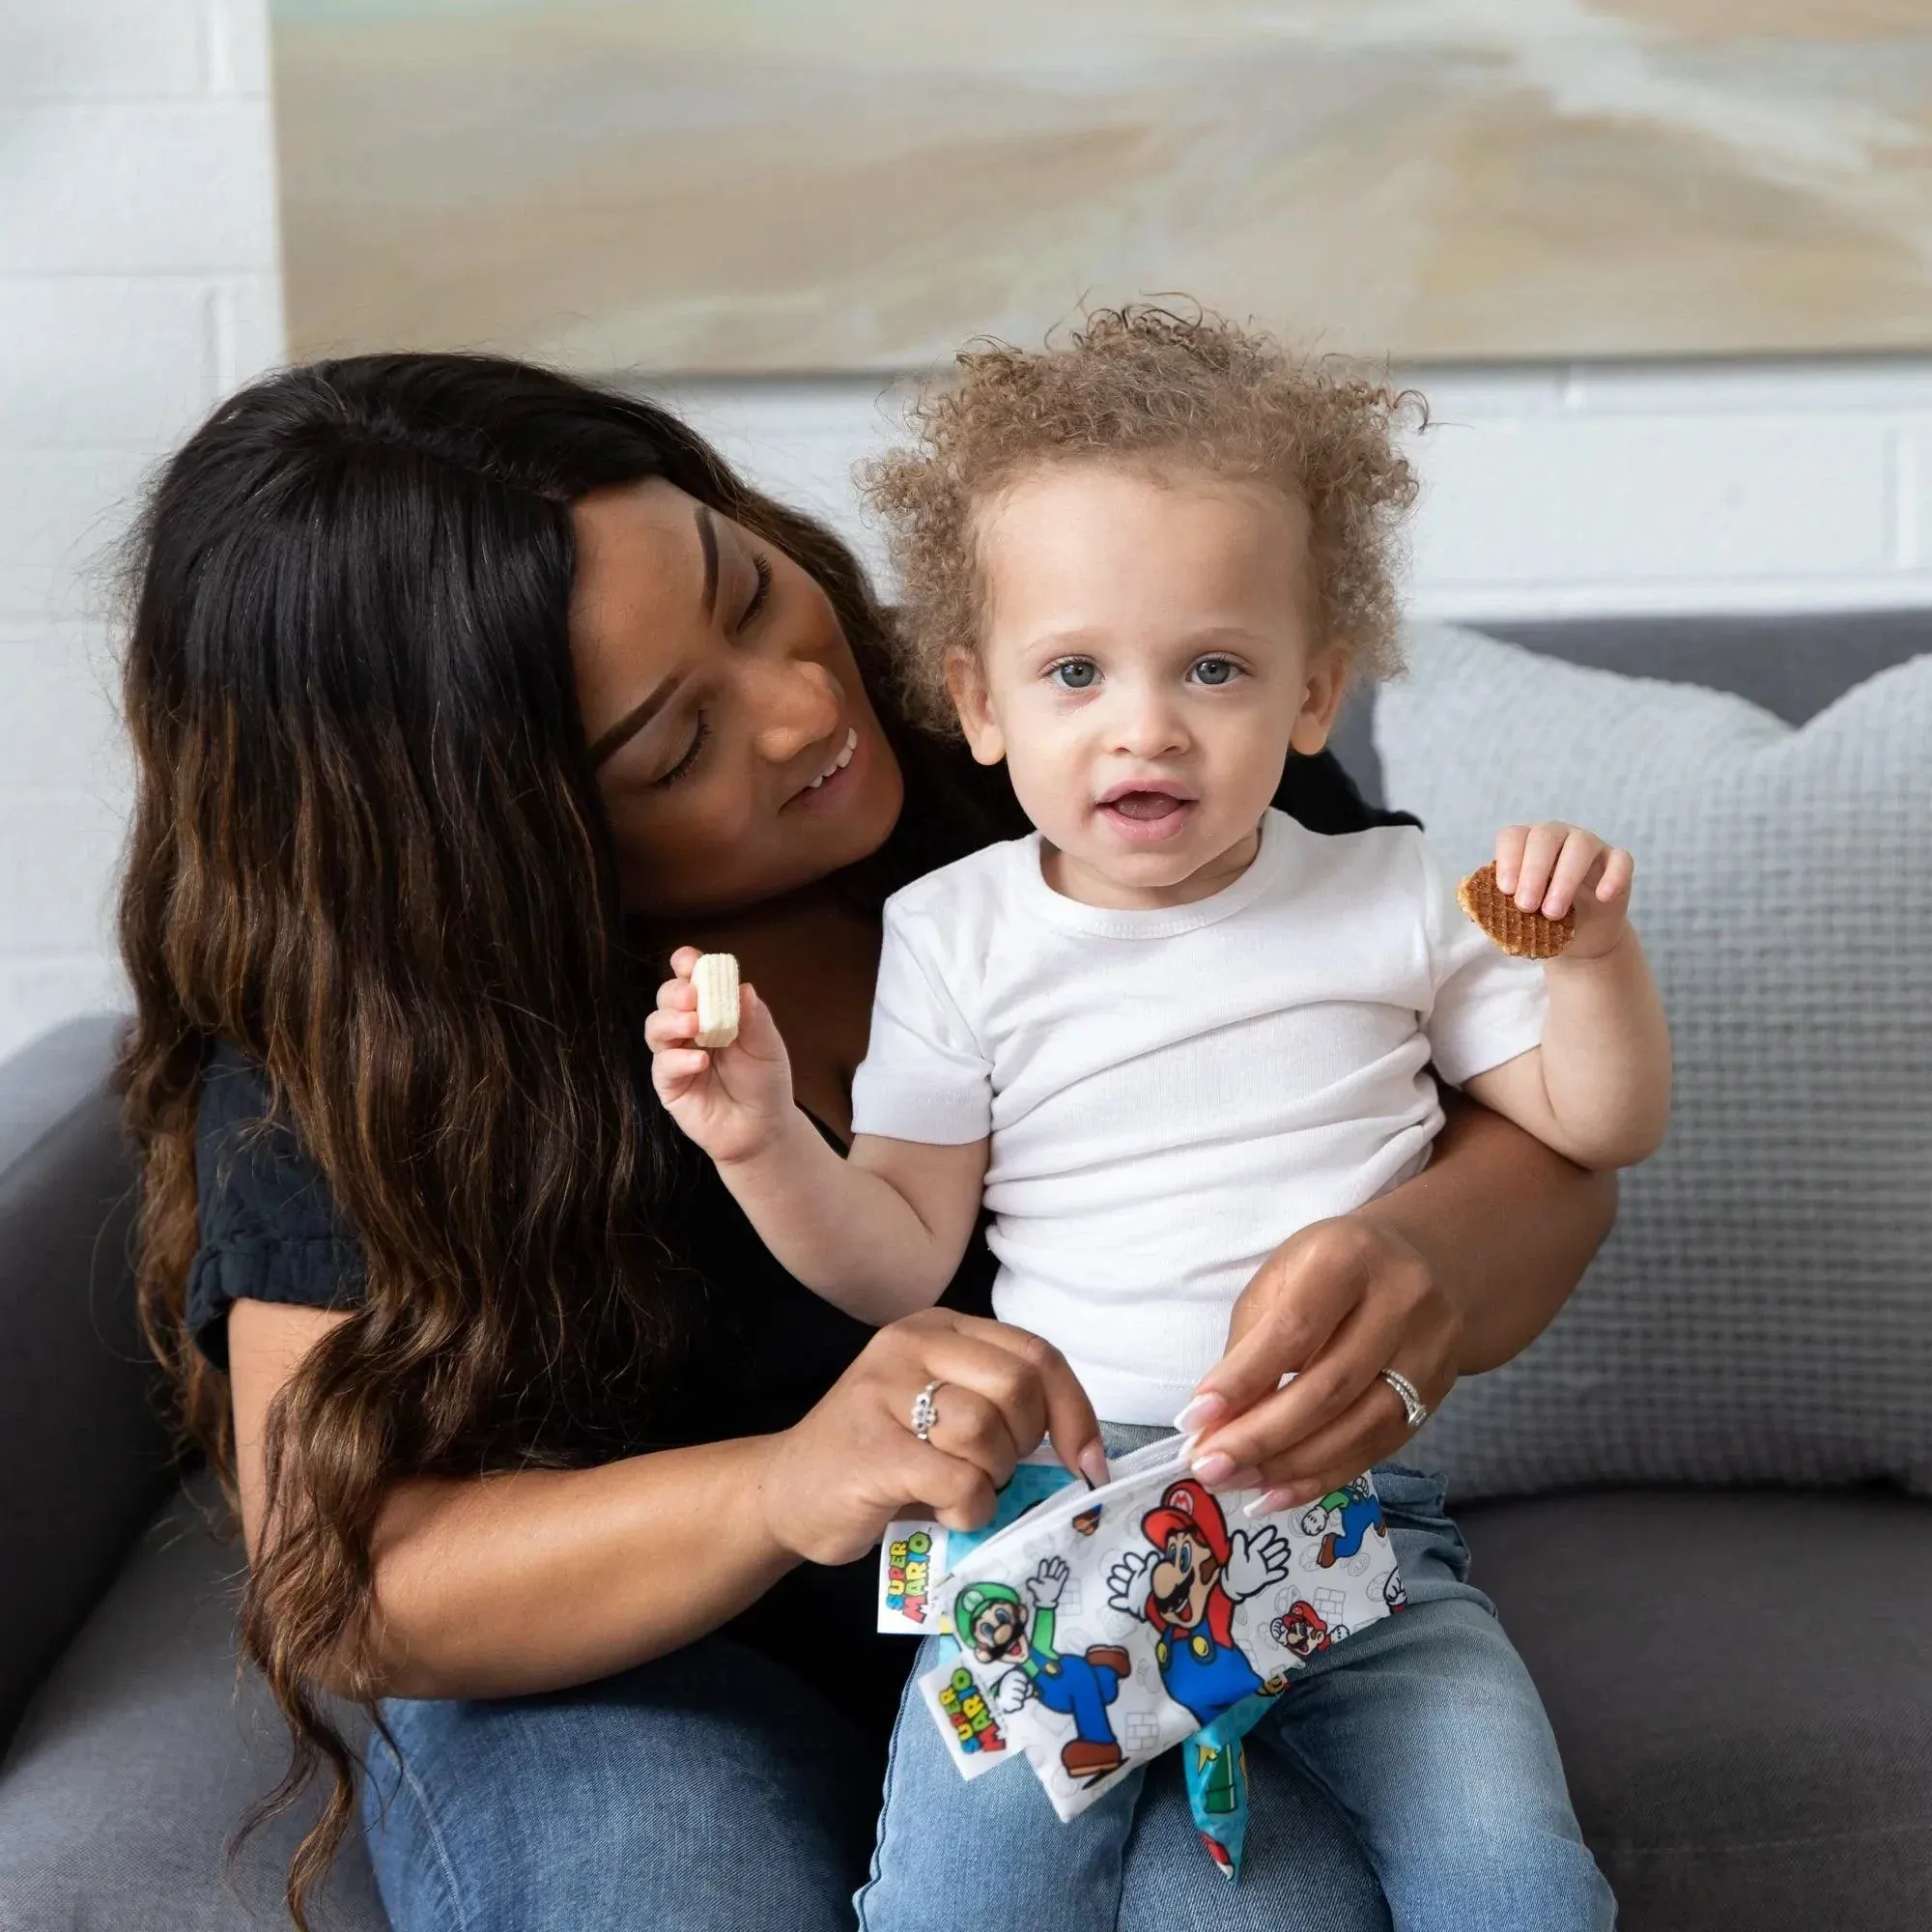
x=1171 y=1093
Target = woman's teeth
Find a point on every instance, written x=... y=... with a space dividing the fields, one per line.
x=838 y=763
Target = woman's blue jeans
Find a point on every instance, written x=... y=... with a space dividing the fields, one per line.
x=717 y=1789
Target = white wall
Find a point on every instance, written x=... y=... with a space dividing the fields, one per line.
x=138 y=284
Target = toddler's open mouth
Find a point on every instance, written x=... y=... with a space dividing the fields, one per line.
x=1145 y=815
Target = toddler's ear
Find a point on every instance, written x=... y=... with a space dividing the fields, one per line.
x=1327 y=686
x=966 y=683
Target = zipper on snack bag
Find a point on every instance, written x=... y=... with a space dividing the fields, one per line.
x=1164 y=1457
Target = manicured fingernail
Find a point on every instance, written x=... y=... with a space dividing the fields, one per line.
x=1244 y=1479
x=1268 y=1502
x=1092 y=1460
x=1200 y=1413
x=1215 y=1467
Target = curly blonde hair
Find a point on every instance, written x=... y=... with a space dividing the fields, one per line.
x=1138 y=384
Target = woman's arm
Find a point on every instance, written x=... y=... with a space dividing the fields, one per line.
x=1506 y=1228
x=1453 y=1272
x=535 y=1579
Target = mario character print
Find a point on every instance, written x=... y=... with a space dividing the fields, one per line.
x=997 y=1625
x=1303 y=1630
x=1186 y=1587
x=1342 y=1520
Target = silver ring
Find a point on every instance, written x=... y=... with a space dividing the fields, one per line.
x=924 y=1412
x=1413 y=1405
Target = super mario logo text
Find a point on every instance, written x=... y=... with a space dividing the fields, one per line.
x=960 y=1699
x=908 y=1563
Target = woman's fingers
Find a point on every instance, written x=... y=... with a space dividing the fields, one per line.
x=1391 y=1313
x=1318 y=1395
x=956 y=1489
x=969 y=1427
x=1296 y=1301
x=1371 y=1430
x=1026 y=1379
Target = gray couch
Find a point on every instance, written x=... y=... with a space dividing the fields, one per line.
x=1776 y=1774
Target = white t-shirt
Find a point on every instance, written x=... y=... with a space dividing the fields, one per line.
x=1171 y=1093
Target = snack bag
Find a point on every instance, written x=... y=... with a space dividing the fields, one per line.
x=1099 y=1629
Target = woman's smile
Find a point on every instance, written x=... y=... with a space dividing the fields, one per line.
x=837 y=781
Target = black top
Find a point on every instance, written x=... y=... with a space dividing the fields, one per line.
x=766 y=1347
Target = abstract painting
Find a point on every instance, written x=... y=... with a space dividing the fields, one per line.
x=774 y=186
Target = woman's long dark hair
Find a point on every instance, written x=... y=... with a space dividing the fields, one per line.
x=368 y=850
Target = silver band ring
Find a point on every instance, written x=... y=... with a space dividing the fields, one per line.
x=925 y=1413
x=1413 y=1405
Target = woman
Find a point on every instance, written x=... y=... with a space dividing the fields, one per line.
x=458 y=689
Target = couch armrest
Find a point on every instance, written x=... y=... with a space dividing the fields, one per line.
x=84 y=1457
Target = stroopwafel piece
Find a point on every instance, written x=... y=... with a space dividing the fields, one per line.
x=1525 y=935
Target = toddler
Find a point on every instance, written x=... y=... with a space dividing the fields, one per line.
x=1173 y=1026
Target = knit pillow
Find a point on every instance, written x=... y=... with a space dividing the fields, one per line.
x=1763 y=1311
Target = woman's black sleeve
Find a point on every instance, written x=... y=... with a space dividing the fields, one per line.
x=269 y=1228
x=1318 y=792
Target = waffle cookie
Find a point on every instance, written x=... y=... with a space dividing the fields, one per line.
x=1525 y=935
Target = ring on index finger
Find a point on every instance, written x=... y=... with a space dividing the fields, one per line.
x=924 y=1412
x=1413 y=1404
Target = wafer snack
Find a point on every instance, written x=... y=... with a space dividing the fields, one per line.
x=713 y=978
x=1525 y=935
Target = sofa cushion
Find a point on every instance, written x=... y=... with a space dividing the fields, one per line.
x=1741 y=1688
x=84 y=1458
x=138 y=1757
x=1763 y=1311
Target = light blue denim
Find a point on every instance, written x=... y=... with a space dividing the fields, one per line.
x=711 y=1791
x=1407 y=1778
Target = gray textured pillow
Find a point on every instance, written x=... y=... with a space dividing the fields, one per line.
x=1763 y=1312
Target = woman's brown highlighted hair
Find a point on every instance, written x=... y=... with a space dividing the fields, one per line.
x=368 y=851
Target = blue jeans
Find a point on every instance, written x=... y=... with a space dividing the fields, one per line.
x=711 y=1791
x=1406 y=1777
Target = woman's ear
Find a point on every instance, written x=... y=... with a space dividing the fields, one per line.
x=966 y=684
x=1327 y=686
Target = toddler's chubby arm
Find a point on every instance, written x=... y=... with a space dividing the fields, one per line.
x=879 y=1232
x=1598 y=1089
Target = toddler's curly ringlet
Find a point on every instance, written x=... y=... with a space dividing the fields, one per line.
x=1142 y=385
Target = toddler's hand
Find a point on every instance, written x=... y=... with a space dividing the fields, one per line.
x=1549 y=869
x=734 y=1101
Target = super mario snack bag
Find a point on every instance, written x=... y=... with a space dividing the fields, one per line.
x=1100 y=1629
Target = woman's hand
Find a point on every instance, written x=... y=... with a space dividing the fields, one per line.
x=734 y=1101
x=833 y=1482
x=1333 y=1306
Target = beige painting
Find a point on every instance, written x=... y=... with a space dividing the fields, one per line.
x=776 y=185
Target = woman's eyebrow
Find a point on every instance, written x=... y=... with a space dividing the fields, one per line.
x=634 y=720
x=707 y=542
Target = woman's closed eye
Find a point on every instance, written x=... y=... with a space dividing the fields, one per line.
x=700 y=730
x=761 y=590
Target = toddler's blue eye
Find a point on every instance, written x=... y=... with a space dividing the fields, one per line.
x=1075 y=674
x=1214 y=670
